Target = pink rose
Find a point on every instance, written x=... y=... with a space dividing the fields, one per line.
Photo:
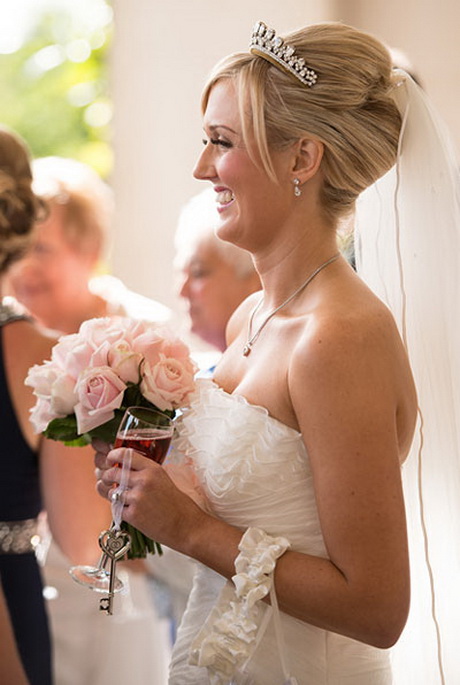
x=41 y=415
x=100 y=391
x=41 y=378
x=103 y=330
x=72 y=354
x=135 y=327
x=168 y=383
x=55 y=391
x=63 y=395
x=124 y=361
x=150 y=345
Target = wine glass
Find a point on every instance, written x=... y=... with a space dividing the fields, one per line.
x=149 y=432
x=96 y=577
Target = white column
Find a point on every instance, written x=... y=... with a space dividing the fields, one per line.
x=162 y=52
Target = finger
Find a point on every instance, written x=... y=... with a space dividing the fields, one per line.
x=100 y=461
x=138 y=461
x=100 y=446
x=111 y=477
x=117 y=456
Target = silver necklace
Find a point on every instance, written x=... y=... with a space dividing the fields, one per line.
x=251 y=339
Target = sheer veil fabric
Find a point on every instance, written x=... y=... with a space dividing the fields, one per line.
x=407 y=235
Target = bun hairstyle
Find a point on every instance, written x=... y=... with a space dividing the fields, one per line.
x=349 y=109
x=19 y=207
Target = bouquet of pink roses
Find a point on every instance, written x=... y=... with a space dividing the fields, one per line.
x=94 y=375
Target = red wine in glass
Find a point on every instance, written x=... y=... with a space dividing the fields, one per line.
x=152 y=443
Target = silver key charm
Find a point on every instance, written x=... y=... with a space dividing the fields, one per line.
x=115 y=544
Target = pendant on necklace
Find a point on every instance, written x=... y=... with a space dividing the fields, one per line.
x=247 y=349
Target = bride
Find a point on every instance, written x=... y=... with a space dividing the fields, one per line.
x=298 y=441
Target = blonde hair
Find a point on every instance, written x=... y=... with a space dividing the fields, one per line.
x=350 y=109
x=19 y=207
x=86 y=200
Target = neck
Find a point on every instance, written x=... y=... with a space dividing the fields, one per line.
x=281 y=275
x=69 y=320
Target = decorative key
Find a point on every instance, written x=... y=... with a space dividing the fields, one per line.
x=114 y=543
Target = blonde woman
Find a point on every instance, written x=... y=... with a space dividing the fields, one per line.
x=299 y=440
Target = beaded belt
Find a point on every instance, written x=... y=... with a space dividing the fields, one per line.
x=18 y=537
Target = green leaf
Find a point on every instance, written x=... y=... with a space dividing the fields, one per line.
x=62 y=429
x=82 y=441
x=108 y=431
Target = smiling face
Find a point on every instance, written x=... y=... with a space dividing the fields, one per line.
x=53 y=274
x=250 y=204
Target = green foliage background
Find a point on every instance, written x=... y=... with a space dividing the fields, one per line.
x=38 y=102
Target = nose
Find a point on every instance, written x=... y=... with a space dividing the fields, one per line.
x=204 y=168
x=184 y=286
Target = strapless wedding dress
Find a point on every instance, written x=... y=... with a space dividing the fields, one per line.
x=255 y=472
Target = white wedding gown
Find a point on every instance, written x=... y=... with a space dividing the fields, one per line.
x=255 y=472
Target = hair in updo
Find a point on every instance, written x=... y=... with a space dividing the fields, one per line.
x=19 y=207
x=350 y=108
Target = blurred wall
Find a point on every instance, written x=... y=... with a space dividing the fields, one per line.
x=427 y=31
x=162 y=53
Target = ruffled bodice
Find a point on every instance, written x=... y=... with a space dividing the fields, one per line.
x=255 y=472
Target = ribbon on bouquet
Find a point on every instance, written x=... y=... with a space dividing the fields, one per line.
x=116 y=497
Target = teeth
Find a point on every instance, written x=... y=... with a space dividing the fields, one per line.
x=224 y=197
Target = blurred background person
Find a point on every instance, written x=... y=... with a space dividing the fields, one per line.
x=214 y=277
x=34 y=471
x=56 y=283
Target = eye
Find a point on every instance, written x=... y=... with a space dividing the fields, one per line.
x=218 y=142
x=221 y=142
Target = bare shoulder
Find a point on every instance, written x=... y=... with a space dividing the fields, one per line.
x=346 y=331
x=26 y=344
x=349 y=366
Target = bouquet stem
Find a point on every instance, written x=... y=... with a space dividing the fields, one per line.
x=141 y=545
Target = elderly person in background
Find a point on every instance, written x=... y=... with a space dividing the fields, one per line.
x=215 y=276
x=56 y=281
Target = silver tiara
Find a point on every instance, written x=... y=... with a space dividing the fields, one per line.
x=266 y=44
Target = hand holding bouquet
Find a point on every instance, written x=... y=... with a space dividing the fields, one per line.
x=94 y=375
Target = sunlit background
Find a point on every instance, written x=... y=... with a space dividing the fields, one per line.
x=117 y=84
x=53 y=77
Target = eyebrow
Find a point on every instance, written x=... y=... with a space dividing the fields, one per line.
x=214 y=127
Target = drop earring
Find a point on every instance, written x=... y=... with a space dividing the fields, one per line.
x=297 y=191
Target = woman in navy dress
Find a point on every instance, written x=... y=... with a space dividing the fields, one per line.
x=34 y=472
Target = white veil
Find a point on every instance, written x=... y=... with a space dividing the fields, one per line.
x=408 y=251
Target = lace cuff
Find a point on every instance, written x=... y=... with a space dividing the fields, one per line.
x=231 y=631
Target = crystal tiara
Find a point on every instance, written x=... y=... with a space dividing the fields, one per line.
x=266 y=44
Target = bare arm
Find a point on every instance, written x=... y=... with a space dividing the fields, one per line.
x=345 y=389
x=11 y=669
x=76 y=514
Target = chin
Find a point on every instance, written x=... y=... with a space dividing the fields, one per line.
x=229 y=233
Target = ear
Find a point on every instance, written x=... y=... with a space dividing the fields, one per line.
x=308 y=154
